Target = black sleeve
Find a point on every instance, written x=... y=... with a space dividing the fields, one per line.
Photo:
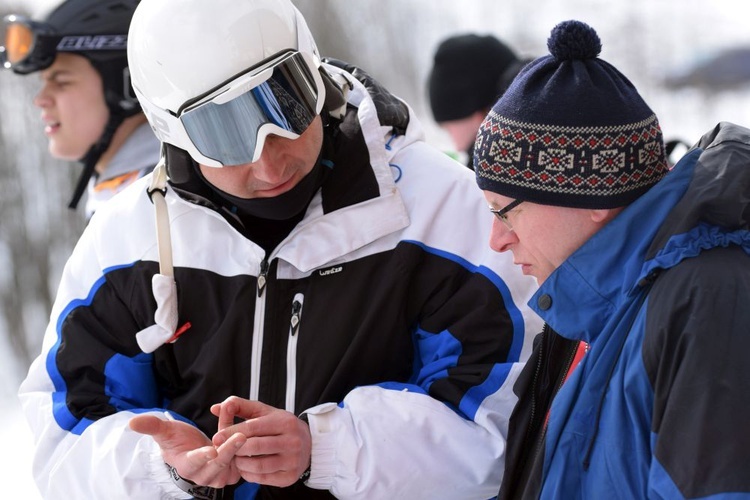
x=696 y=352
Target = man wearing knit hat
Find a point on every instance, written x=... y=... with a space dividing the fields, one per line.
x=638 y=385
x=469 y=73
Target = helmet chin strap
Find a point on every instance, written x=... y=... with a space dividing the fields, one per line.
x=166 y=317
x=92 y=156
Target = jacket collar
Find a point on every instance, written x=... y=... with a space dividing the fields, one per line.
x=581 y=296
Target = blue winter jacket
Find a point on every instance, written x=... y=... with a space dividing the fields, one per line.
x=660 y=405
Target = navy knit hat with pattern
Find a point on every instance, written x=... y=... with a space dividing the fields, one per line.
x=570 y=131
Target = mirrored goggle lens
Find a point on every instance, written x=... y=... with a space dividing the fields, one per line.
x=228 y=132
x=19 y=42
x=28 y=45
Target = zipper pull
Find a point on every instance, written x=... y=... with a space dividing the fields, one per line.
x=262 y=276
x=296 y=308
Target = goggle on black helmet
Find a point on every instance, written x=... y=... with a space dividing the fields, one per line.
x=95 y=29
x=32 y=46
x=28 y=46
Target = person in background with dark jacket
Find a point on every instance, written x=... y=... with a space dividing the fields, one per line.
x=469 y=72
x=638 y=386
x=298 y=302
x=89 y=111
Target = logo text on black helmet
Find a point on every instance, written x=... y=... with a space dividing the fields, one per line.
x=79 y=43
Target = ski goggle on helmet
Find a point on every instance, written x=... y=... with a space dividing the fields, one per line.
x=229 y=124
x=30 y=46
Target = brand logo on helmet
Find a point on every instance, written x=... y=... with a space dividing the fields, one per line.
x=96 y=42
x=158 y=124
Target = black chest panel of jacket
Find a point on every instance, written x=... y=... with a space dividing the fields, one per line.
x=536 y=387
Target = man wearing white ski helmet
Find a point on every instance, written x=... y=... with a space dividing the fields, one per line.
x=200 y=102
x=88 y=107
x=311 y=312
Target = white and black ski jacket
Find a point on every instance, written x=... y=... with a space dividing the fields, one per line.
x=384 y=315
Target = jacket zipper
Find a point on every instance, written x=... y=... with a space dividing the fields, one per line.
x=560 y=382
x=535 y=380
x=291 y=351
x=258 y=323
x=262 y=276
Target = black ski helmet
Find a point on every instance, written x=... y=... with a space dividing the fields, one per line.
x=96 y=30
x=102 y=17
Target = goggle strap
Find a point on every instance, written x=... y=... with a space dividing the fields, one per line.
x=336 y=95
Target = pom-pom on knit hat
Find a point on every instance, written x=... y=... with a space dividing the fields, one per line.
x=570 y=131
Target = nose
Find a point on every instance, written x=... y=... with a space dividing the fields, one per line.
x=42 y=99
x=271 y=166
x=501 y=238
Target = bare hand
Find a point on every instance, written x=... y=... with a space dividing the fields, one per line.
x=278 y=446
x=188 y=450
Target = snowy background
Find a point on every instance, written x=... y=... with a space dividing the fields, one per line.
x=648 y=40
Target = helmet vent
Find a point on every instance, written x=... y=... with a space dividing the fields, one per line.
x=91 y=18
x=120 y=7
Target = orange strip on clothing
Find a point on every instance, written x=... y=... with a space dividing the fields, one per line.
x=116 y=182
x=582 y=349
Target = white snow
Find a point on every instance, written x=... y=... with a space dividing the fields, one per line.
x=15 y=461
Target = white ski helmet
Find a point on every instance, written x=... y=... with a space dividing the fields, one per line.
x=215 y=77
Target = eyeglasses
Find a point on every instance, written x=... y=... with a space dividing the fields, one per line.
x=30 y=46
x=502 y=213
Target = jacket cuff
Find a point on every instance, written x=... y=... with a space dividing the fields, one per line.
x=324 y=423
x=158 y=473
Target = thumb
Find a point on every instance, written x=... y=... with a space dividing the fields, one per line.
x=241 y=407
x=148 y=424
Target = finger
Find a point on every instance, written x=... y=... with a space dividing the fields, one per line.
x=216 y=409
x=227 y=451
x=174 y=437
x=269 y=445
x=273 y=423
x=227 y=411
x=198 y=458
x=222 y=455
x=212 y=466
x=245 y=408
x=220 y=438
x=196 y=465
x=147 y=424
x=265 y=464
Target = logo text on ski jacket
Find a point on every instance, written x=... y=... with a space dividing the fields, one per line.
x=332 y=270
